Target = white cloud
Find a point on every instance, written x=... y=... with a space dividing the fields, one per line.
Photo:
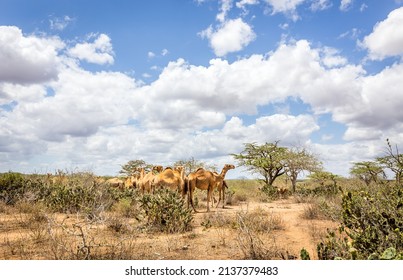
x=320 y=5
x=288 y=7
x=345 y=4
x=104 y=119
x=226 y=6
x=232 y=36
x=243 y=4
x=60 y=23
x=386 y=38
x=150 y=54
x=98 y=52
x=27 y=59
x=164 y=52
x=331 y=58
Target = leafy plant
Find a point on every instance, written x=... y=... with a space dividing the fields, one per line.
x=372 y=225
x=166 y=211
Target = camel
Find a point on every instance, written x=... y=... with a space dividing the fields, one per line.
x=130 y=182
x=115 y=182
x=145 y=181
x=206 y=180
x=221 y=184
x=173 y=179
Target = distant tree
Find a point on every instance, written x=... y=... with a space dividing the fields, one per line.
x=297 y=160
x=322 y=177
x=393 y=161
x=132 y=167
x=193 y=164
x=367 y=171
x=266 y=160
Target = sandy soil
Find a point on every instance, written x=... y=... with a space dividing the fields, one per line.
x=203 y=242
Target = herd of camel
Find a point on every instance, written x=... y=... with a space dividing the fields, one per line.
x=176 y=180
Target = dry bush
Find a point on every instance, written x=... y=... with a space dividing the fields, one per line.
x=322 y=208
x=255 y=226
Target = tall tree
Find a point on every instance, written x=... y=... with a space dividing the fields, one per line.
x=266 y=160
x=297 y=160
x=367 y=171
x=393 y=161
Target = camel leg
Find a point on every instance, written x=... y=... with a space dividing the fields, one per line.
x=223 y=197
x=219 y=198
x=208 y=198
x=190 y=198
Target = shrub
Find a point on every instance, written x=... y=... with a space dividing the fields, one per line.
x=372 y=224
x=166 y=211
x=12 y=187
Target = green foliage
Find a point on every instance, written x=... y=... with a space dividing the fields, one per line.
x=304 y=254
x=192 y=164
x=367 y=171
x=132 y=167
x=372 y=225
x=393 y=160
x=327 y=182
x=298 y=160
x=15 y=187
x=266 y=160
x=166 y=211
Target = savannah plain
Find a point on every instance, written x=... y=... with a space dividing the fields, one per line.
x=85 y=220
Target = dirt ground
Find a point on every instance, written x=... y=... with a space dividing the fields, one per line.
x=204 y=242
x=296 y=232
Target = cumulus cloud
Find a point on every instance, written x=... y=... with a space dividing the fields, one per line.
x=99 y=52
x=107 y=118
x=386 y=38
x=27 y=59
x=232 y=36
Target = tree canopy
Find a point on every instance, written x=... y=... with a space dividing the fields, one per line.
x=271 y=161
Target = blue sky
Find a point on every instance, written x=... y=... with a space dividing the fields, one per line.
x=90 y=85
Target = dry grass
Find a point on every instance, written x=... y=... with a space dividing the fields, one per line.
x=32 y=231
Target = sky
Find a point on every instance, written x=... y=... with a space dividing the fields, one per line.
x=89 y=85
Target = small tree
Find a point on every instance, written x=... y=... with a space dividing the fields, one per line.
x=193 y=164
x=393 y=161
x=132 y=167
x=322 y=177
x=298 y=160
x=367 y=171
x=266 y=160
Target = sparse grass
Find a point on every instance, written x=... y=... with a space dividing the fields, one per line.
x=257 y=241
x=80 y=219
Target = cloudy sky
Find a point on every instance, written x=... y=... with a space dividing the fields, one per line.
x=90 y=85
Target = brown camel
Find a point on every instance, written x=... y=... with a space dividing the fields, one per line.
x=221 y=184
x=173 y=179
x=115 y=183
x=206 y=180
x=145 y=181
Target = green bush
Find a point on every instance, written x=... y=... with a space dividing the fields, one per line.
x=166 y=211
x=11 y=187
x=372 y=225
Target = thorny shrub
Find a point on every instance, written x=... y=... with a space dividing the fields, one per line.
x=166 y=211
x=372 y=225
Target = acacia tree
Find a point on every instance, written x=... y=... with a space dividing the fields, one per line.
x=132 y=167
x=393 y=161
x=193 y=164
x=297 y=160
x=266 y=160
x=367 y=171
